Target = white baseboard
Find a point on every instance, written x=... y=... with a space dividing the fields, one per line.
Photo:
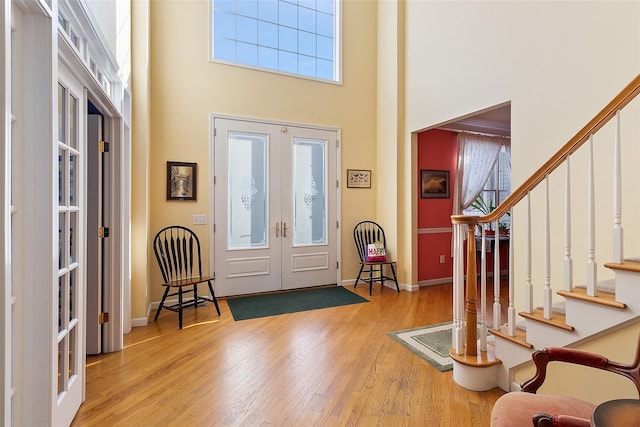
x=139 y=321
x=387 y=283
x=438 y=281
x=144 y=321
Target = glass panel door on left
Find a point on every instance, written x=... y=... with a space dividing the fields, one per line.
x=248 y=199
x=68 y=238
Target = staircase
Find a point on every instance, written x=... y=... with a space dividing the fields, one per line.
x=537 y=316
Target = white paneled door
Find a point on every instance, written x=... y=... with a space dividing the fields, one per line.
x=275 y=206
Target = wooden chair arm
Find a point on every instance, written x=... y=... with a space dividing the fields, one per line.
x=579 y=357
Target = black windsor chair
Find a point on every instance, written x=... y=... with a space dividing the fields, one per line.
x=365 y=233
x=177 y=249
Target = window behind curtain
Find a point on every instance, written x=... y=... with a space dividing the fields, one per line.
x=497 y=188
x=297 y=37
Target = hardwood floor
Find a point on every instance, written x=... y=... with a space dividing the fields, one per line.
x=329 y=367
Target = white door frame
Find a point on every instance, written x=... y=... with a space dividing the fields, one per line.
x=212 y=118
x=120 y=232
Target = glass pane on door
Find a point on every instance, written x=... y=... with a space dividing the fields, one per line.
x=309 y=184
x=247 y=195
x=62 y=117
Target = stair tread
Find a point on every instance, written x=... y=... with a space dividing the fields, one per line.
x=602 y=297
x=626 y=265
x=482 y=359
x=557 y=320
x=520 y=338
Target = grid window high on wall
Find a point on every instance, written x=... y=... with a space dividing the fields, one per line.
x=298 y=37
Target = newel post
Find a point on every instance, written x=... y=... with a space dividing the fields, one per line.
x=471 y=315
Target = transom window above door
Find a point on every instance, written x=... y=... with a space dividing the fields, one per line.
x=298 y=37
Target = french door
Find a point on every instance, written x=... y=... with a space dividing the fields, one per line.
x=68 y=336
x=275 y=206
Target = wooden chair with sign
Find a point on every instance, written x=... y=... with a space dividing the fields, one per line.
x=371 y=245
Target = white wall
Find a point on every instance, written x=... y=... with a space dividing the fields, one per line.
x=558 y=63
x=104 y=12
x=113 y=18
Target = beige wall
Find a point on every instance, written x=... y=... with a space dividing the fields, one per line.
x=140 y=152
x=185 y=88
x=390 y=128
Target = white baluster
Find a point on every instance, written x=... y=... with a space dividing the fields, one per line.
x=459 y=295
x=568 y=262
x=617 y=196
x=548 y=293
x=483 y=291
x=456 y=261
x=456 y=279
x=528 y=294
x=497 y=307
x=591 y=227
x=511 y=313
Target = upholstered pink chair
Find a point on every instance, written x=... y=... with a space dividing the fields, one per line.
x=526 y=408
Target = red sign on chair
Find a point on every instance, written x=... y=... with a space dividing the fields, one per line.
x=376 y=252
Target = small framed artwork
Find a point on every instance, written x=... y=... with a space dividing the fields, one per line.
x=434 y=184
x=358 y=178
x=181 y=180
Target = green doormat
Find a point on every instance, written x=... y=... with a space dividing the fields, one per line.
x=251 y=307
x=431 y=343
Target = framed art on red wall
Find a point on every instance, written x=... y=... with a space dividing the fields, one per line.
x=434 y=184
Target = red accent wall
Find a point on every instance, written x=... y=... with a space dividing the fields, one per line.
x=437 y=149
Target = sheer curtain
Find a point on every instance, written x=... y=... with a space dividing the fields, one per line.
x=477 y=155
x=507 y=148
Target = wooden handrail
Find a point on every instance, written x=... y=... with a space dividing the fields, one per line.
x=602 y=118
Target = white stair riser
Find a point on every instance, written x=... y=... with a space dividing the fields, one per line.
x=588 y=319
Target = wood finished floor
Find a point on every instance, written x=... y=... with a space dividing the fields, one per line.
x=329 y=367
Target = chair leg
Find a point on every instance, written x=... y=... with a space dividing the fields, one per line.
x=180 y=307
x=359 y=273
x=213 y=297
x=164 y=296
x=195 y=296
x=395 y=279
x=370 y=279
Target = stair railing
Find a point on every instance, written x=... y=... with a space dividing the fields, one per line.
x=464 y=340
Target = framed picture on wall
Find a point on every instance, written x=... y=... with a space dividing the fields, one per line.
x=358 y=178
x=434 y=184
x=181 y=180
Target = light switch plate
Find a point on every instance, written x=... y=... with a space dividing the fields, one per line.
x=199 y=219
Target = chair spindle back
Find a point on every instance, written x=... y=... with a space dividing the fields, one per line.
x=177 y=250
x=366 y=232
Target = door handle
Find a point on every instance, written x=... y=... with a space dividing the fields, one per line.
x=284 y=229
x=277 y=229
